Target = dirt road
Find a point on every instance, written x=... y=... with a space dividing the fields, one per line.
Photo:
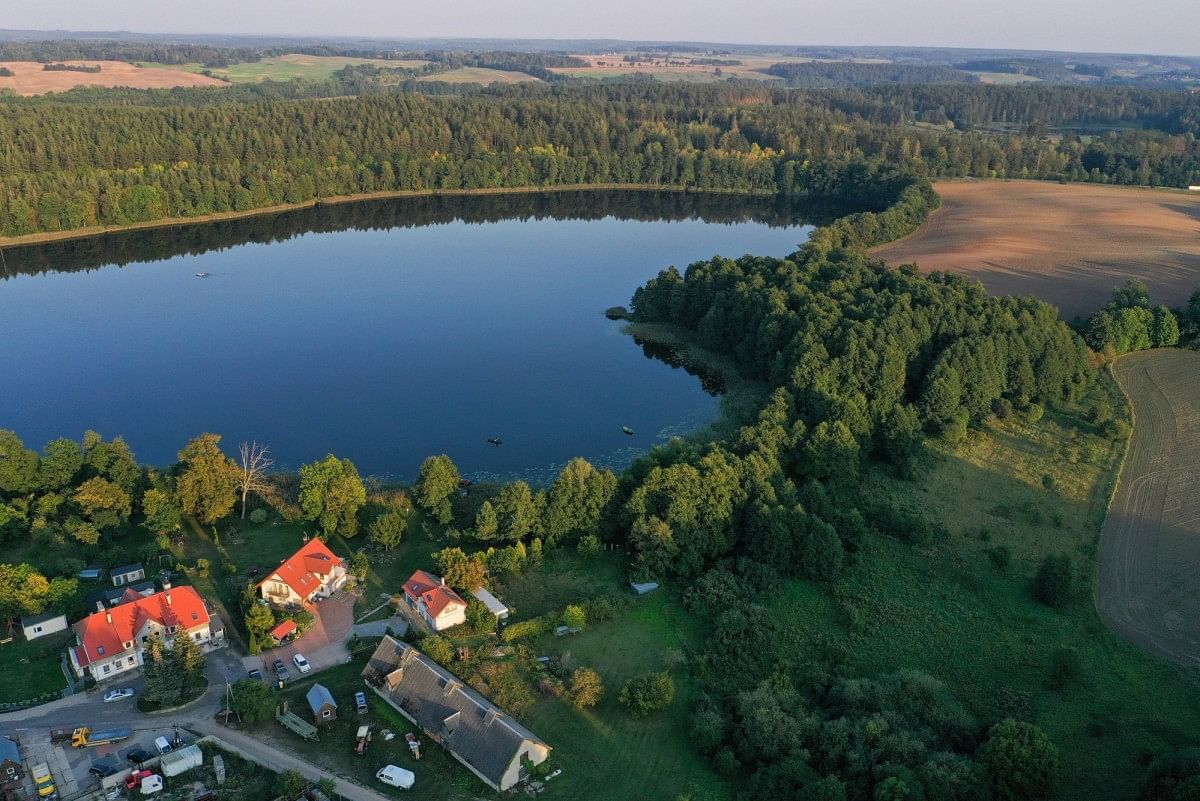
x=1148 y=587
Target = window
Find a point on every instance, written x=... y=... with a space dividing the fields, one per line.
x=326 y=713
x=106 y=668
x=37 y=629
x=197 y=636
x=132 y=659
x=100 y=650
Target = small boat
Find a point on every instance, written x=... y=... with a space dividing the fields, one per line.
x=465 y=482
x=627 y=430
x=495 y=441
x=202 y=275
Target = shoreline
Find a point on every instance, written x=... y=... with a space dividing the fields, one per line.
x=46 y=237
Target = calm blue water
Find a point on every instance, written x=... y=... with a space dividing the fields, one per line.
x=383 y=346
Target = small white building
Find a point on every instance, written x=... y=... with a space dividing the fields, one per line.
x=494 y=604
x=43 y=625
x=1194 y=188
x=127 y=574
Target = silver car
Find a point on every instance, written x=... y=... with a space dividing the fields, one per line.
x=118 y=695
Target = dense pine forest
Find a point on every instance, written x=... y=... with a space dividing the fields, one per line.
x=66 y=165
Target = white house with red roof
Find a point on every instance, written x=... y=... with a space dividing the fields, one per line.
x=436 y=604
x=308 y=575
x=113 y=641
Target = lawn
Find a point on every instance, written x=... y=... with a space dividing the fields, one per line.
x=565 y=578
x=287 y=67
x=31 y=669
x=956 y=610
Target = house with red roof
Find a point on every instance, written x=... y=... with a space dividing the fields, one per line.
x=308 y=575
x=113 y=641
x=435 y=603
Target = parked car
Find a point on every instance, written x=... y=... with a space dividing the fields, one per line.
x=301 y=663
x=103 y=770
x=118 y=695
x=360 y=702
x=163 y=746
x=134 y=780
x=280 y=669
x=396 y=776
x=139 y=755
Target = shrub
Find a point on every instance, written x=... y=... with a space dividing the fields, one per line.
x=589 y=545
x=258 y=516
x=1066 y=669
x=253 y=701
x=388 y=529
x=649 y=693
x=479 y=617
x=1002 y=408
x=528 y=628
x=1021 y=762
x=1034 y=412
x=600 y=610
x=1001 y=556
x=1054 y=584
x=586 y=688
x=574 y=617
x=438 y=648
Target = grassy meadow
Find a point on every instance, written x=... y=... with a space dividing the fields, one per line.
x=287 y=67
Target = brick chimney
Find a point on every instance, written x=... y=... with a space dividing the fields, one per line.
x=108 y=615
x=168 y=594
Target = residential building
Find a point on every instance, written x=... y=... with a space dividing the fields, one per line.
x=10 y=765
x=113 y=641
x=436 y=604
x=321 y=704
x=127 y=574
x=308 y=575
x=43 y=625
x=475 y=731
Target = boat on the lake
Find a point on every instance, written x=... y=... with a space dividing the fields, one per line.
x=202 y=275
x=627 y=430
x=495 y=441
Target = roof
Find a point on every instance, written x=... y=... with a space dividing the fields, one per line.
x=303 y=570
x=126 y=592
x=35 y=620
x=494 y=604
x=318 y=697
x=433 y=591
x=9 y=751
x=470 y=726
x=283 y=629
x=131 y=568
x=90 y=572
x=104 y=634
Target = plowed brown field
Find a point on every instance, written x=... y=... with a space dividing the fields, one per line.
x=1148 y=587
x=1067 y=244
x=30 y=79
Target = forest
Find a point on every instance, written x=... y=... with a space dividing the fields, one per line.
x=71 y=165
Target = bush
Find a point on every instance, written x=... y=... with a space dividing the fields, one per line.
x=586 y=688
x=589 y=545
x=1066 y=669
x=479 y=617
x=1021 y=762
x=253 y=701
x=258 y=516
x=1054 y=584
x=1002 y=408
x=388 y=529
x=528 y=628
x=438 y=648
x=574 y=617
x=649 y=693
x=1001 y=556
x=1034 y=412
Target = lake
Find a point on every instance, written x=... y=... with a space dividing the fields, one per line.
x=383 y=331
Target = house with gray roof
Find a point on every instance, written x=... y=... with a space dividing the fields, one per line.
x=10 y=765
x=475 y=731
x=321 y=703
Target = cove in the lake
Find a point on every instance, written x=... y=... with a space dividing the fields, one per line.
x=382 y=331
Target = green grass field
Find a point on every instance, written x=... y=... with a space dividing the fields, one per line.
x=481 y=75
x=287 y=67
x=31 y=669
x=951 y=610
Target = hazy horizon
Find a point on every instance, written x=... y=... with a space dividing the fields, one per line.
x=1165 y=28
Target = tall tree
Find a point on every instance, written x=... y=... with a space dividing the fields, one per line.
x=252 y=470
x=331 y=493
x=18 y=465
x=62 y=459
x=207 y=483
x=437 y=481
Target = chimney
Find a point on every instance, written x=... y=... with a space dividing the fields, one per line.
x=168 y=594
x=108 y=616
x=443 y=580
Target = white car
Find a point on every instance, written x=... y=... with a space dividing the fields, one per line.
x=396 y=777
x=162 y=745
x=118 y=695
x=301 y=663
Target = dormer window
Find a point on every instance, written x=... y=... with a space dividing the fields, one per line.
x=100 y=650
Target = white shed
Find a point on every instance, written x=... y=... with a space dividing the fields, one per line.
x=494 y=604
x=42 y=625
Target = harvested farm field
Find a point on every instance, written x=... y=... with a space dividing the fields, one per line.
x=29 y=77
x=1068 y=244
x=1148 y=587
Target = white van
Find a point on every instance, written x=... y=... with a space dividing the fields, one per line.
x=396 y=777
x=162 y=745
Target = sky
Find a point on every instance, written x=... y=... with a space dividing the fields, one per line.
x=1145 y=26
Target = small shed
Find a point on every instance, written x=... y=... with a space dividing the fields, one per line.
x=282 y=631
x=320 y=701
x=644 y=587
x=127 y=574
x=90 y=574
x=494 y=604
x=43 y=625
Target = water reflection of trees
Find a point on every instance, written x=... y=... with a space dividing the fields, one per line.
x=710 y=380
x=156 y=244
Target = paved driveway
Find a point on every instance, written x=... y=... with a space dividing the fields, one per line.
x=323 y=645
